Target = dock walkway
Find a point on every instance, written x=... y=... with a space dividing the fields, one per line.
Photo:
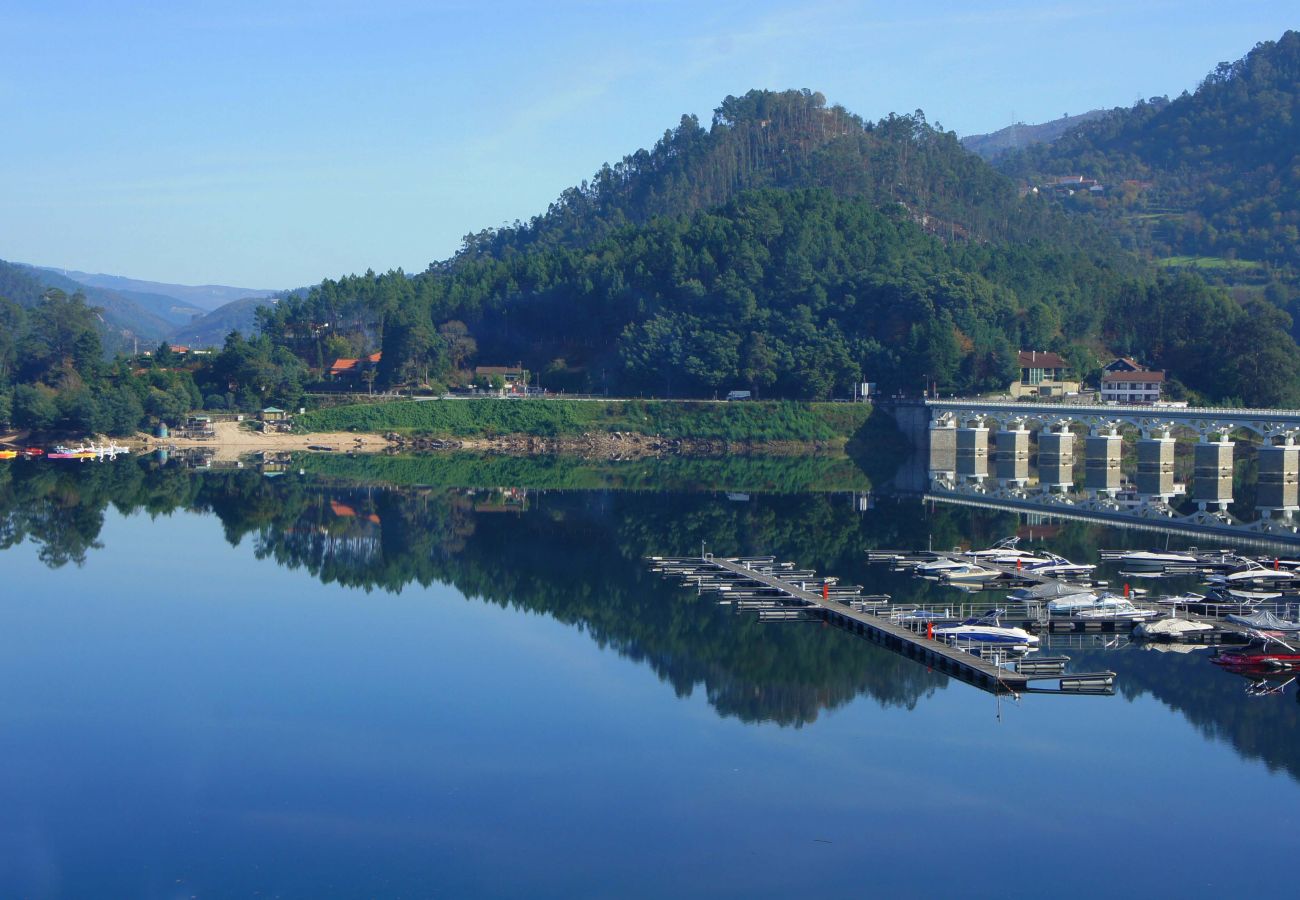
x=968 y=667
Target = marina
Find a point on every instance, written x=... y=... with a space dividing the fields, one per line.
x=796 y=595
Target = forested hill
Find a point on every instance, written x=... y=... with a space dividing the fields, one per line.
x=1213 y=173
x=786 y=140
x=793 y=294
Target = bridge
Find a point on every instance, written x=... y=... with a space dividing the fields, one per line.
x=956 y=434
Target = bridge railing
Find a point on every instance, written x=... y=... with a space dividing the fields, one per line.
x=1238 y=412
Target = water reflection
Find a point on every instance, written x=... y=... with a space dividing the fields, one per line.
x=576 y=556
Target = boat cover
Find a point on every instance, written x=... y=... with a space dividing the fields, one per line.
x=1265 y=621
x=1047 y=590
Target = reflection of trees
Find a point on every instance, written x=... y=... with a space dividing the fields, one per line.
x=578 y=558
x=1263 y=728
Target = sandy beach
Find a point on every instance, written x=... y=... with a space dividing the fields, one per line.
x=232 y=441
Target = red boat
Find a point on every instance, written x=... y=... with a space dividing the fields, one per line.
x=34 y=451
x=1264 y=653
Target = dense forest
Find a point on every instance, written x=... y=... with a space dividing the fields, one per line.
x=791 y=250
x=794 y=293
x=1214 y=173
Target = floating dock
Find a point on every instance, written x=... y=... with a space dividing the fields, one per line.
x=789 y=594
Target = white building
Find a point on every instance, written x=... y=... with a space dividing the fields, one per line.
x=1125 y=381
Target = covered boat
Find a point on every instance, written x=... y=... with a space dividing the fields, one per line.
x=1263 y=620
x=1120 y=612
x=1171 y=629
x=1073 y=603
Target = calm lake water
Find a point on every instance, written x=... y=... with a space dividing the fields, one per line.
x=226 y=684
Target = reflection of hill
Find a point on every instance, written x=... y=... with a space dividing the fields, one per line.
x=1263 y=728
x=577 y=557
x=785 y=474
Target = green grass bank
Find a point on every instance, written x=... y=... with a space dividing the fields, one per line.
x=750 y=421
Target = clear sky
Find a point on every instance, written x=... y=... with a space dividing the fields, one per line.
x=272 y=144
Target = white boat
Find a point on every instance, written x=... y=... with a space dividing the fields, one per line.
x=1122 y=612
x=1181 y=599
x=1254 y=573
x=1088 y=600
x=971 y=573
x=987 y=630
x=1003 y=553
x=1058 y=567
x=1156 y=559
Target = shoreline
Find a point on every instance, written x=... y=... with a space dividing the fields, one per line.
x=232 y=442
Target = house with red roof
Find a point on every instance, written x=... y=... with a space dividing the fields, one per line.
x=1043 y=374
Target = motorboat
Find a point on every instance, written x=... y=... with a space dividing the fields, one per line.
x=1003 y=553
x=1155 y=559
x=1255 y=574
x=1059 y=567
x=1179 y=600
x=1074 y=603
x=1121 y=612
x=971 y=573
x=986 y=630
x=8 y=454
x=1264 y=653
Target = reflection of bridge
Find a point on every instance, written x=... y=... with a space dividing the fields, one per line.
x=1133 y=511
x=958 y=439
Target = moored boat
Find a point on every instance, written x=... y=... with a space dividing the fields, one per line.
x=1075 y=603
x=1264 y=653
x=1120 y=612
x=1155 y=559
x=987 y=630
x=1171 y=629
x=81 y=451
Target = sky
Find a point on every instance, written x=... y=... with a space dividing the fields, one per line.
x=272 y=144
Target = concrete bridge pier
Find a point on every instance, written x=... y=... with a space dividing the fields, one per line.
x=1212 y=474
x=943 y=448
x=1155 y=469
x=973 y=452
x=1013 y=455
x=1279 y=478
x=1056 y=459
x=1102 y=461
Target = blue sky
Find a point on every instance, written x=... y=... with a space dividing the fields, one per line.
x=272 y=144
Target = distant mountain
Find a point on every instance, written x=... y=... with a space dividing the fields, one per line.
x=1019 y=136
x=211 y=330
x=205 y=296
x=1211 y=177
x=125 y=321
x=168 y=308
